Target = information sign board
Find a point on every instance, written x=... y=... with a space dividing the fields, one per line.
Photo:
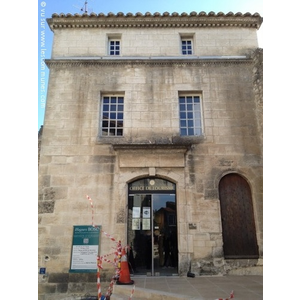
x=85 y=249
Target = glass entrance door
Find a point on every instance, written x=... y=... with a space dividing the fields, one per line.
x=152 y=234
x=165 y=252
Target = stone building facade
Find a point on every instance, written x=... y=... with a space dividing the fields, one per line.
x=160 y=114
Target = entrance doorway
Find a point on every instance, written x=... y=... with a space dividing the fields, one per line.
x=152 y=227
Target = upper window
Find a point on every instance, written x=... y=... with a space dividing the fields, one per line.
x=186 y=46
x=187 y=43
x=112 y=115
x=114 y=46
x=190 y=115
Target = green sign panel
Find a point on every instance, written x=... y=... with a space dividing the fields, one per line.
x=85 y=249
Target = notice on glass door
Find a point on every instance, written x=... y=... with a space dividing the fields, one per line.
x=136 y=212
x=146 y=224
x=135 y=224
x=146 y=212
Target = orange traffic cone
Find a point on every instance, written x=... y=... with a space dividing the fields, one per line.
x=124 y=272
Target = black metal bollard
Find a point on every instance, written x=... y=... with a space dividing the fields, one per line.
x=189 y=274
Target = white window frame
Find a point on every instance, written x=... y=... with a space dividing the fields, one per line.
x=114 y=38
x=190 y=114
x=187 y=37
x=111 y=108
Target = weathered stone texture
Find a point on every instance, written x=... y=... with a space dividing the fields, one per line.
x=46 y=207
x=154 y=42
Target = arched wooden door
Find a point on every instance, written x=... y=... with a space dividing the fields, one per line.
x=239 y=234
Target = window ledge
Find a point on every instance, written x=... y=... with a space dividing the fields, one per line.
x=176 y=142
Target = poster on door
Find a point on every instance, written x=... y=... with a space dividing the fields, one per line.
x=136 y=224
x=146 y=212
x=146 y=224
x=136 y=212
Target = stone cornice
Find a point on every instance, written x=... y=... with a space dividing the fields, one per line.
x=150 y=62
x=156 y=20
x=133 y=146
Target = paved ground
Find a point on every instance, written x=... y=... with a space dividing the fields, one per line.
x=204 y=287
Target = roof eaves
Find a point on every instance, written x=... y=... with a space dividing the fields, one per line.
x=166 y=19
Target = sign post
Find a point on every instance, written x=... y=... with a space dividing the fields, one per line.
x=85 y=249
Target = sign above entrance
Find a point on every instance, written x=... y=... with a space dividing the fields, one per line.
x=151 y=184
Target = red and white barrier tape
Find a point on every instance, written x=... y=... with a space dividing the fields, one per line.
x=109 y=261
x=132 y=291
x=230 y=297
x=115 y=262
x=110 y=288
x=110 y=237
x=92 y=206
x=99 y=265
x=109 y=254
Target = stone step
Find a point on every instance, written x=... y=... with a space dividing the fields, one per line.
x=122 y=297
x=123 y=292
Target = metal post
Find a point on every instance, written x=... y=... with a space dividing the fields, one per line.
x=152 y=237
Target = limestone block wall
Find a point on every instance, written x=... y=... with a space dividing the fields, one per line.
x=151 y=100
x=75 y=160
x=154 y=42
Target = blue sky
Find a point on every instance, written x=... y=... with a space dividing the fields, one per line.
x=47 y=7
